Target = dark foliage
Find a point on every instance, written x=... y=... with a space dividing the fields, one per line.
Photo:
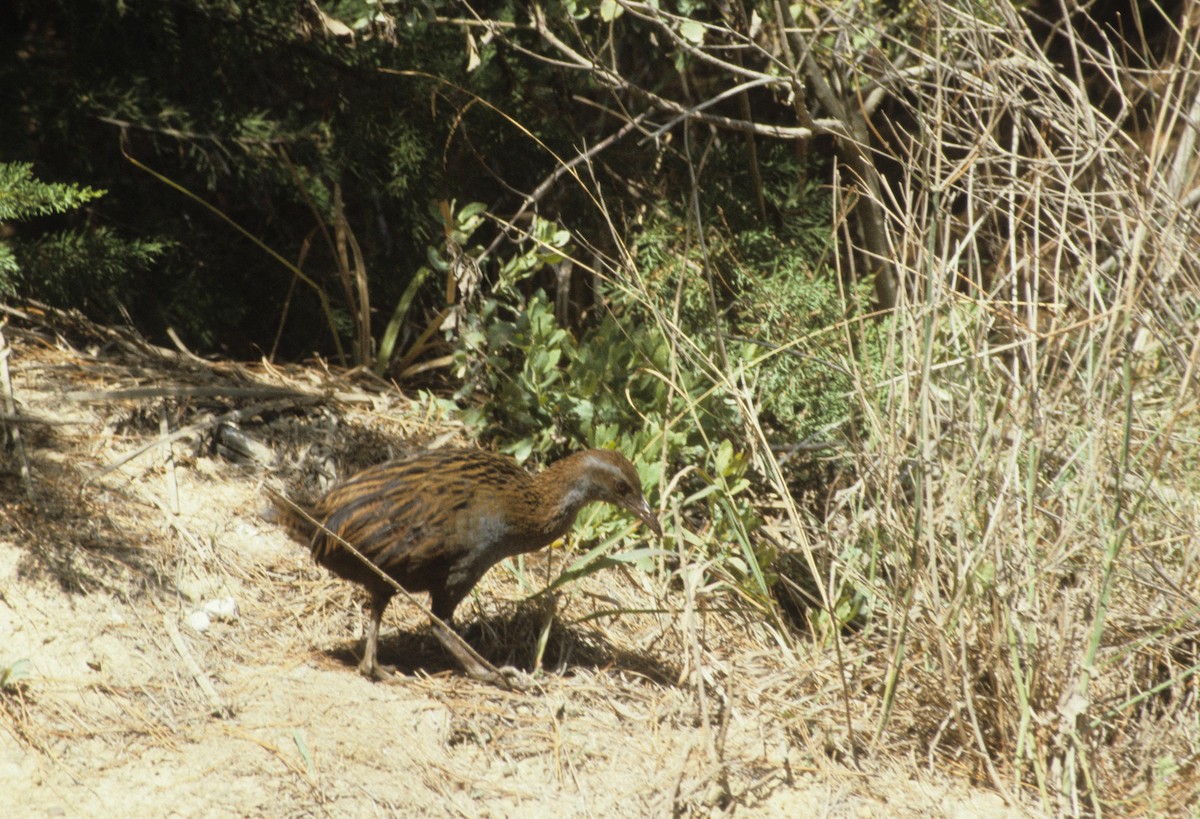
x=260 y=109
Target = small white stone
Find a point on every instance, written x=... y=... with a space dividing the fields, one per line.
x=198 y=621
x=224 y=609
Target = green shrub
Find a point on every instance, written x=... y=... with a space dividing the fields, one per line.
x=64 y=266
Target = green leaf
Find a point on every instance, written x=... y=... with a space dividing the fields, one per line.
x=577 y=11
x=591 y=563
x=724 y=456
x=692 y=31
x=15 y=672
x=521 y=450
x=470 y=210
x=302 y=746
x=388 y=342
x=610 y=10
x=700 y=495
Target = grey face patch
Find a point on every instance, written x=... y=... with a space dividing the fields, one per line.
x=601 y=464
x=604 y=468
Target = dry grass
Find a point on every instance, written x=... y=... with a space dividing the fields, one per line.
x=1044 y=592
x=1022 y=524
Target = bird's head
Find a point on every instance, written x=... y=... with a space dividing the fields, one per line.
x=611 y=478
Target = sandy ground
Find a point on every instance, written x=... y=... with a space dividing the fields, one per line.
x=120 y=702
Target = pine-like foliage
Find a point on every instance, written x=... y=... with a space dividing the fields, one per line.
x=73 y=266
x=23 y=196
x=276 y=117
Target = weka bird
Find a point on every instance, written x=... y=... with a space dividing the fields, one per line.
x=438 y=521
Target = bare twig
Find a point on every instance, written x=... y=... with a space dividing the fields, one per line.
x=164 y=431
x=219 y=708
x=10 y=409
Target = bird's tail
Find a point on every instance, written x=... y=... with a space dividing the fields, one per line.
x=296 y=519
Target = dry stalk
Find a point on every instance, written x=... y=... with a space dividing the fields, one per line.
x=10 y=411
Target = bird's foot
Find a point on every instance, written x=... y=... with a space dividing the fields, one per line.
x=477 y=668
x=375 y=670
x=506 y=677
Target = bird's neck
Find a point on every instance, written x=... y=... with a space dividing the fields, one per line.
x=561 y=490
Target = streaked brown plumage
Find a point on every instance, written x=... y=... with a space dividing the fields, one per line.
x=438 y=521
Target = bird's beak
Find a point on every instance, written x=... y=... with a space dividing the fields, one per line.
x=642 y=510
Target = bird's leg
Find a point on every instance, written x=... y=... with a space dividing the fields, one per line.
x=370 y=666
x=476 y=667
